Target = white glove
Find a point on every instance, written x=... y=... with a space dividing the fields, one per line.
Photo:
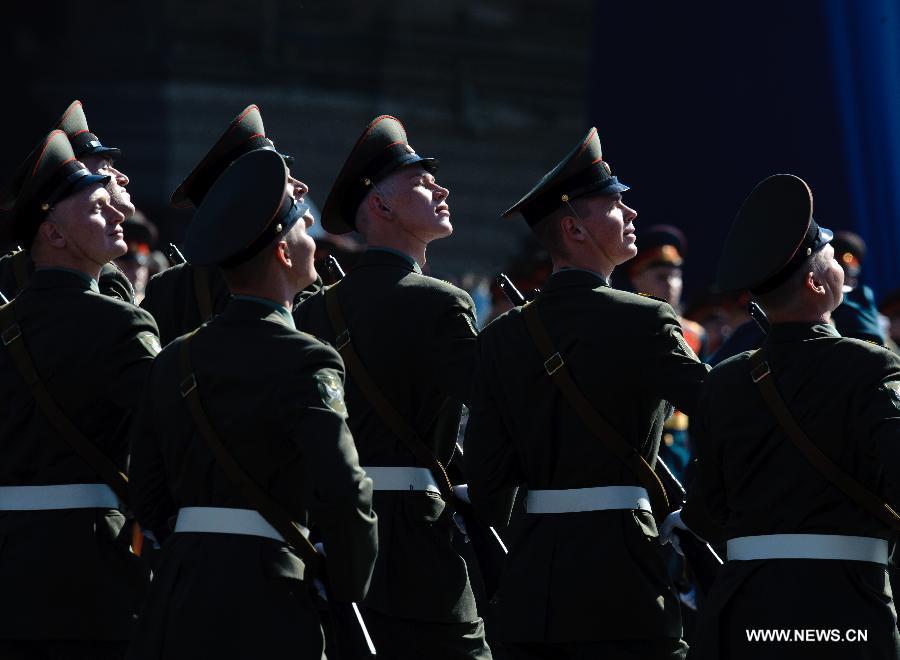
x=667 y=530
x=461 y=492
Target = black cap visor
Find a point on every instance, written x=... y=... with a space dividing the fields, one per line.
x=815 y=239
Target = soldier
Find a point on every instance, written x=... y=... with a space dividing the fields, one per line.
x=226 y=585
x=71 y=586
x=857 y=316
x=583 y=580
x=16 y=268
x=184 y=296
x=409 y=343
x=797 y=449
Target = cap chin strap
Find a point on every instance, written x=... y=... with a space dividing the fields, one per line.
x=581 y=220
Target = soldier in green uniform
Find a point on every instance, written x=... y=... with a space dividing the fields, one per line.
x=71 y=586
x=226 y=585
x=797 y=448
x=16 y=267
x=414 y=337
x=184 y=296
x=584 y=578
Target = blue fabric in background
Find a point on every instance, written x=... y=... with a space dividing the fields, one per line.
x=864 y=40
x=697 y=102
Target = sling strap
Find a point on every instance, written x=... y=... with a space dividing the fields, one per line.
x=268 y=508
x=13 y=340
x=556 y=368
x=376 y=398
x=200 y=277
x=761 y=373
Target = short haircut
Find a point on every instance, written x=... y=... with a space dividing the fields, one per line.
x=253 y=270
x=548 y=231
x=784 y=294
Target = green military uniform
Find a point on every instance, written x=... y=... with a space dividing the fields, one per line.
x=753 y=482
x=70 y=583
x=581 y=581
x=181 y=298
x=416 y=337
x=277 y=404
x=16 y=267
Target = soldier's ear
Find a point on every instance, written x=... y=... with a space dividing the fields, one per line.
x=570 y=228
x=283 y=254
x=50 y=233
x=813 y=284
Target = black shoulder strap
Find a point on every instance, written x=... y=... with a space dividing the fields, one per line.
x=376 y=398
x=268 y=508
x=556 y=368
x=200 y=277
x=105 y=468
x=761 y=373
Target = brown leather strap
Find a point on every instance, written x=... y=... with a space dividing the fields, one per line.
x=14 y=342
x=200 y=277
x=267 y=507
x=556 y=368
x=379 y=402
x=761 y=373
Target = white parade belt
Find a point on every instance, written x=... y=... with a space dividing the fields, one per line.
x=402 y=478
x=220 y=520
x=808 y=546
x=600 y=498
x=57 y=496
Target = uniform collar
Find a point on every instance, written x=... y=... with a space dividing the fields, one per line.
x=63 y=277
x=262 y=308
x=383 y=256
x=577 y=277
x=800 y=331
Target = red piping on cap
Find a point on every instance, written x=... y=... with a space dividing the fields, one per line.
x=44 y=149
x=71 y=109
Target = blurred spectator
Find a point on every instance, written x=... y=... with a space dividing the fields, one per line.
x=857 y=316
x=656 y=271
x=141 y=236
x=890 y=308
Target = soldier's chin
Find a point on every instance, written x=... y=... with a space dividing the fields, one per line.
x=122 y=204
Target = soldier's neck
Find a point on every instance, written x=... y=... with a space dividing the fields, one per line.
x=67 y=261
x=280 y=295
x=604 y=270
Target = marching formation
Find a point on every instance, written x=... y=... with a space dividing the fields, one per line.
x=254 y=463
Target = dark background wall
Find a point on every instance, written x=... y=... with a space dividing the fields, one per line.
x=695 y=102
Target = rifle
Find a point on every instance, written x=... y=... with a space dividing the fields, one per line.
x=700 y=556
x=488 y=547
x=175 y=256
x=334 y=270
x=757 y=314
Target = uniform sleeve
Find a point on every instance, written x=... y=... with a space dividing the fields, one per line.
x=878 y=420
x=337 y=492
x=490 y=461
x=453 y=347
x=115 y=284
x=705 y=510
x=129 y=356
x=151 y=501
x=668 y=368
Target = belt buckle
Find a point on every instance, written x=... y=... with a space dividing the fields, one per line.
x=188 y=385
x=12 y=333
x=760 y=371
x=553 y=364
